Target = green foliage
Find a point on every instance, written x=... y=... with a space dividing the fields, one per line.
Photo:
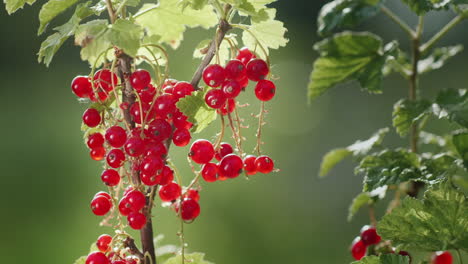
x=255 y=9
x=126 y=35
x=438 y=222
x=344 y=14
x=80 y=260
x=453 y=104
x=359 y=201
x=50 y=10
x=348 y=56
x=460 y=141
x=406 y=112
x=383 y=259
x=332 y=158
x=195 y=108
x=13 y=5
x=90 y=37
x=194 y=258
x=438 y=58
x=421 y=7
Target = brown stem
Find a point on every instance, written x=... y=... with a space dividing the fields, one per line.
x=130 y=243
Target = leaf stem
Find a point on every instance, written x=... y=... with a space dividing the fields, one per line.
x=398 y=21
x=460 y=259
x=429 y=44
x=111 y=11
x=144 y=11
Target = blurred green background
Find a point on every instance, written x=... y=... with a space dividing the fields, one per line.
x=48 y=178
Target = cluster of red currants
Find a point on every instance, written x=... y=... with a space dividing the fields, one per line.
x=103 y=244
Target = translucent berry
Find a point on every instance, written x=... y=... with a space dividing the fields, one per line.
x=181 y=137
x=81 y=86
x=265 y=90
x=151 y=164
x=209 y=172
x=101 y=205
x=224 y=149
x=235 y=70
x=245 y=55
x=180 y=121
x=182 y=89
x=192 y=194
x=214 y=75
x=140 y=79
x=190 y=209
x=136 y=220
x=134 y=146
x=215 y=98
x=105 y=80
x=124 y=206
x=98 y=153
x=103 y=194
x=116 y=136
x=170 y=192
x=148 y=179
x=442 y=257
x=264 y=164
x=147 y=94
x=103 y=242
x=230 y=166
x=157 y=149
x=97 y=258
x=201 y=151
x=369 y=235
x=136 y=199
x=160 y=130
x=165 y=177
x=358 y=249
x=249 y=165
x=91 y=117
x=257 y=70
x=110 y=177
x=115 y=158
x=231 y=89
x=95 y=140
x=228 y=107
x=165 y=105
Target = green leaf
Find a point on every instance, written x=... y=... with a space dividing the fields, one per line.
x=80 y=260
x=432 y=139
x=169 y=20
x=438 y=58
x=460 y=141
x=193 y=258
x=358 y=202
x=90 y=36
x=51 y=9
x=255 y=9
x=195 y=4
x=419 y=6
x=388 y=167
x=438 y=222
x=342 y=14
x=359 y=148
x=452 y=104
x=126 y=35
x=269 y=33
x=53 y=43
x=383 y=259
x=12 y=6
x=348 y=56
x=406 y=112
x=195 y=108
x=224 y=50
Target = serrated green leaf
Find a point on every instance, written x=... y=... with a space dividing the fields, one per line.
x=438 y=222
x=453 y=105
x=348 y=56
x=421 y=7
x=358 y=202
x=90 y=36
x=389 y=167
x=255 y=9
x=12 y=6
x=332 y=158
x=438 y=58
x=195 y=108
x=193 y=258
x=126 y=35
x=169 y=20
x=80 y=260
x=195 y=4
x=383 y=259
x=345 y=14
x=406 y=112
x=460 y=141
x=51 y=9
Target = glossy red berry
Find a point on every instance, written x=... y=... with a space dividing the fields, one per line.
x=136 y=220
x=265 y=90
x=224 y=149
x=140 y=79
x=98 y=153
x=103 y=242
x=182 y=89
x=136 y=199
x=181 y=137
x=231 y=89
x=228 y=107
x=147 y=94
x=165 y=177
x=244 y=82
x=369 y=235
x=103 y=194
x=151 y=164
x=192 y=194
x=230 y=166
x=209 y=172
x=148 y=179
x=249 y=165
x=91 y=117
x=97 y=258
x=214 y=75
x=201 y=151
x=134 y=146
x=190 y=209
x=81 y=86
x=116 y=136
x=170 y=192
x=245 y=55
x=215 y=98
x=105 y=80
x=160 y=130
x=119 y=261
x=156 y=149
x=180 y=121
x=235 y=70
x=165 y=105
x=101 y=205
x=264 y=164
x=115 y=158
x=110 y=177
x=442 y=257
x=257 y=70
x=136 y=113
x=358 y=249
x=95 y=140
x=124 y=206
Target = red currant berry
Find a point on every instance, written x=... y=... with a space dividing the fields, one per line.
x=170 y=192
x=91 y=117
x=160 y=130
x=101 y=205
x=257 y=70
x=157 y=149
x=95 y=140
x=245 y=55
x=215 y=98
x=165 y=105
x=103 y=242
x=140 y=79
x=442 y=257
x=116 y=136
x=105 y=80
x=110 y=177
x=214 y=75
x=192 y=194
x=165 y=177
x=97 y=258
x=103 y=194
x=118 y=261
x=235 y=70
x=124 y=206
x=264 y=164
x=136 y=220
x=115 y=158
x=98 y=153
x=181 y=137
x=224 y=149
x=244 y=82
x=231 y=89
x=169 y=83
x=190 y=209
x=358 y=249
x=180 y=121
x=134 y=146
x=201 y=151
x=249 y=165
x=228 y=107
x=148 y=180
x=265 y=90
x=369 y=235
x=81 y=86
x=136 y=199
x=182 y=89
x=151 y=164
x=147 y=94
x=230 y=166
x=209 y=172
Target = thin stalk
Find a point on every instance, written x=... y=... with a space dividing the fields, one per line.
x=430 y=43
x=398 y=21
x=460 y=259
